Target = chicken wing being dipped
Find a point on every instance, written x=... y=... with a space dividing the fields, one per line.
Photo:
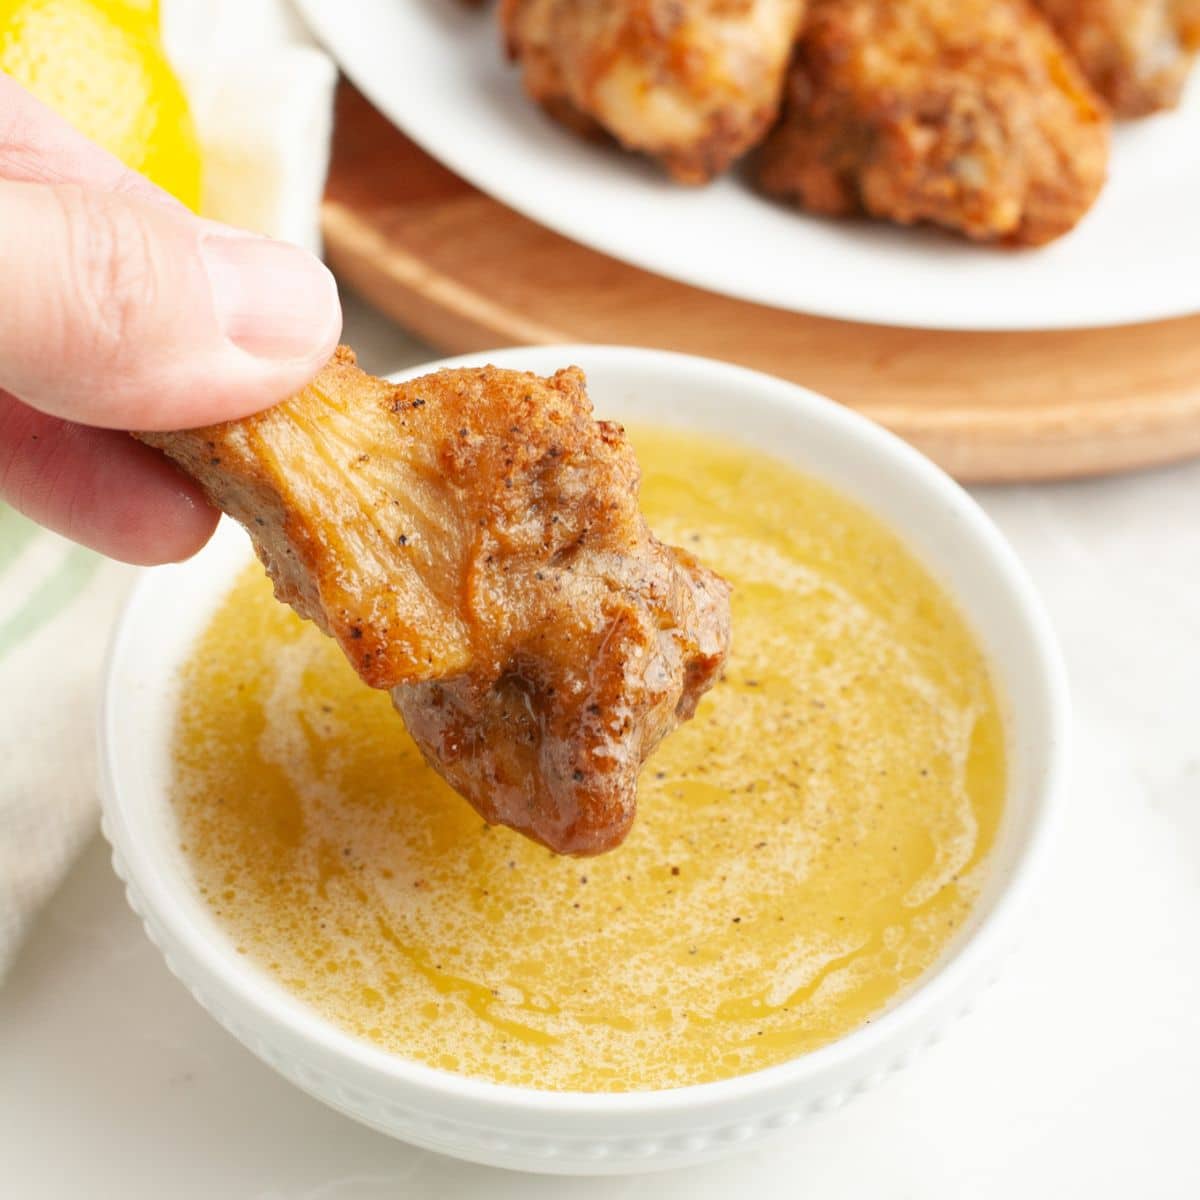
x=472 y=539
x=965 y=113
x=694 y=85
x=1137 y=53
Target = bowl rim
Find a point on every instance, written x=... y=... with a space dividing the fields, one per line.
x=925 y=997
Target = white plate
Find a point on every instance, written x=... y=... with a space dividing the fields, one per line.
x=435 y=68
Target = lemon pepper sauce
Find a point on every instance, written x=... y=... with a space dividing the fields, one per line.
x=805 y=848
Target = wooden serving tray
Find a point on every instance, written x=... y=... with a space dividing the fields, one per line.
x=466 y=273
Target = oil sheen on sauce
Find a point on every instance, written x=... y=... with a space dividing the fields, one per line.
x=804 y=849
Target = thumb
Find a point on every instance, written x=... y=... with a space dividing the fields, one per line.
x=125 y=313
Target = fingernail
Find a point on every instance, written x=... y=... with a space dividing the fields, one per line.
x=271 y=299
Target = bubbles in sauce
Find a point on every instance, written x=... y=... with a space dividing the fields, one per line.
x=804 y=849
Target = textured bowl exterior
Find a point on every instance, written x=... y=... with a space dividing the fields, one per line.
x=570 y=1133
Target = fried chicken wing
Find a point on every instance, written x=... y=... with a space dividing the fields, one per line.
x=692 y=84
x=472 y=540
x=965 y=113
x=1137 y=53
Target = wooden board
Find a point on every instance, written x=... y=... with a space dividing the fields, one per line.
x=466 y=273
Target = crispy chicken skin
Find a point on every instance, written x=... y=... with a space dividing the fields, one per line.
x=1137 y=53
x=472 y=540
x=694 y=84
x=964 y=113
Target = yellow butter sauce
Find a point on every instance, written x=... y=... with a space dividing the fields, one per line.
x=804 y=849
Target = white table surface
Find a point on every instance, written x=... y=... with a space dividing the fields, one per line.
x=1078 y=1074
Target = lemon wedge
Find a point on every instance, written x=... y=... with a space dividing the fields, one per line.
x=100 y=64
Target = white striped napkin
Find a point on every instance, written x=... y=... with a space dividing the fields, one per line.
x=57 y=604
x=262 y=97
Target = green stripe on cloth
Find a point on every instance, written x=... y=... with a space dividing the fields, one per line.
x=16 y=532
x=49 y=598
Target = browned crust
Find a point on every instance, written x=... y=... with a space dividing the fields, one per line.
x=963 y=113
x=472 y=540
x=566 y=51
x=1137 y=53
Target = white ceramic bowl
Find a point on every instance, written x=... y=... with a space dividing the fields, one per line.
x=595 y=1133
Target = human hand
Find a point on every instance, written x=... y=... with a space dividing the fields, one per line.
x=120 y=309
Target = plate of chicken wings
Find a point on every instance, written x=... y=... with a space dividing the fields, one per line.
x=947 y=164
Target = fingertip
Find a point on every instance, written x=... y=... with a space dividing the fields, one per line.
x=135 y=316
x=173 y=522
x=100 y=488
x=277 y=302
x=193 y=522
